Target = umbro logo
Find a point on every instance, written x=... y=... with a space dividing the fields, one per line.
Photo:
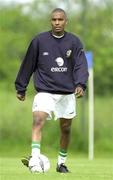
x=71 y=112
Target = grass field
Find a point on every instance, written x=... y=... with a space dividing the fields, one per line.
x=81 y=169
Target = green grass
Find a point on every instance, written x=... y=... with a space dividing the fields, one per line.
x=81 y=169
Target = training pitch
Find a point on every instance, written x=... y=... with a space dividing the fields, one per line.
x=81 y=169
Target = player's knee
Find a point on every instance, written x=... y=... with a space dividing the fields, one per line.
x=38 y=122
x=66 y=130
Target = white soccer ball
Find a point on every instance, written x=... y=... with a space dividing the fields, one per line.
x=39 y=164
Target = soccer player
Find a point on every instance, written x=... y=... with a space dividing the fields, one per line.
x=57 y=61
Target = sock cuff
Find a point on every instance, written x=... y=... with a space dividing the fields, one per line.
x=35 y=145
x=63 y=153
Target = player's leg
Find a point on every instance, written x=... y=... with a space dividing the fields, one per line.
x=39 y=119
x=65 y=127
x=65 y=108
x=42 y=107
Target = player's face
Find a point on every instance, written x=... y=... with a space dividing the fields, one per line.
x=58 y=22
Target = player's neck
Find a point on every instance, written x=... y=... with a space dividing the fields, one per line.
x=58 y=35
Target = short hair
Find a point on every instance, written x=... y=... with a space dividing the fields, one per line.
x=59 y=10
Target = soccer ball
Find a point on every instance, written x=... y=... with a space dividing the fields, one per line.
x=39 y=164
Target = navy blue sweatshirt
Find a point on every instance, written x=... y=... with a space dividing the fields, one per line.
x=58 y=65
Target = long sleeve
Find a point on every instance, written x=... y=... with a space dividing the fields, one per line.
x=27 y=67
x=80 y=70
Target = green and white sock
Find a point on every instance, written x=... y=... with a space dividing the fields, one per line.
x=62 y=156
x=35 y=149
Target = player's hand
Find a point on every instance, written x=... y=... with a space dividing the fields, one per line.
x=79 y=92
x=20 y=97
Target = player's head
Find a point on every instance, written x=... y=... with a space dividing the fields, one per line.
x=58 y=21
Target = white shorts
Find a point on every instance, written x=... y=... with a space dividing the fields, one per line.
x=63 y=106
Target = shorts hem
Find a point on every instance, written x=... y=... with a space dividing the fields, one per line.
x=49 y=115
x=65 y=117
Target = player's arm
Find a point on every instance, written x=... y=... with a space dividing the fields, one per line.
x=26 y=70
x=80 y=70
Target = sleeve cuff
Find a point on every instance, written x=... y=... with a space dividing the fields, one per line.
x=21 y=93
x=83 y=86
